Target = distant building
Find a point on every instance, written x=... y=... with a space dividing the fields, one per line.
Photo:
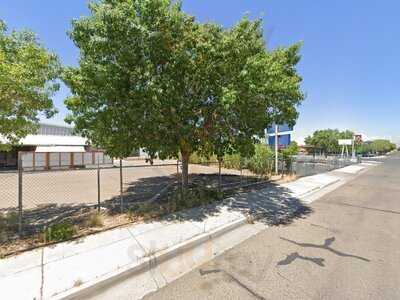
x=53 y=146
x=284 y=135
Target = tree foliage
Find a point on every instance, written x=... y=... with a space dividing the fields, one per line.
x=150 y=76
x=326 y=140
x=27 y=74
x=379 y=146
x=291 y=149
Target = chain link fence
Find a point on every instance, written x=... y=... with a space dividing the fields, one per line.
x=44 y=206
x=305 y=166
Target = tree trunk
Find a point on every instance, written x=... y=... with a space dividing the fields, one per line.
x=185 y=169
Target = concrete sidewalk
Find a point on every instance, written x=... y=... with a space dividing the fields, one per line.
x=68 y=269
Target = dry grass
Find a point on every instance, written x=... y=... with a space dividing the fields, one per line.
x=78 y=282
x=95 y=220
x=288 y=178
x=250 y=219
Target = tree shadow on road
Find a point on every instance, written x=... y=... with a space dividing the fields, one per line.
x=295 y=255
x=325 y=246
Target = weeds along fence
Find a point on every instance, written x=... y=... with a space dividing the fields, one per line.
x=38 y=206
x=32 y=201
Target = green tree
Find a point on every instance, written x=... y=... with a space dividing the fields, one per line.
x=326 y=140
x=150 y=76
x=292 y=149
x=379 y=146
x=27 y=82
x=382 y=146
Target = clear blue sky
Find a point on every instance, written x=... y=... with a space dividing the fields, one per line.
x=350 y=59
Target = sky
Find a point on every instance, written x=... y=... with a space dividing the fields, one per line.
x=350 y=56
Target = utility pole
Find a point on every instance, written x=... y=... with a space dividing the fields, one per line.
x=276 y=149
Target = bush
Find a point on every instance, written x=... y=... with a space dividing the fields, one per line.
x=196 y=158
x=95 y=220
x=198 y=196
x=262 y=161
x=233 y=161
x=59 y=232
x=145 y=210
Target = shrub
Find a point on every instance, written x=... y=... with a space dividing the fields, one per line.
x=95 y=220
x=2 y=221
x=196 y=197
x=8 y=224
x=59 y=232
x=145 y=209
x=10 y=220
x=262 y=161
x=3 y=235
x=233 y=161
x=196 y=158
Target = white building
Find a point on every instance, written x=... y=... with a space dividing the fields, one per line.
x=53 y=146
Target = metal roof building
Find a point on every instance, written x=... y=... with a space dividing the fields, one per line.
x=49 y=139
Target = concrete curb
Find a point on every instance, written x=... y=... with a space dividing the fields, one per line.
x=148 y=262
x=316 y=189
x=161 y=256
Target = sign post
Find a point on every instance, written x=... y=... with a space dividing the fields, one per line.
x=345 y=143
x=278 y=136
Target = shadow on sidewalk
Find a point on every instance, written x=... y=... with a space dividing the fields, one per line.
x=267 y=202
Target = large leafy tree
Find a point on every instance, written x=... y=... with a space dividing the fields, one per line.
x=27 y=83
x=326 y=140
x=150 y=76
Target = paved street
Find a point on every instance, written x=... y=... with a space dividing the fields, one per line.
x=349 y=248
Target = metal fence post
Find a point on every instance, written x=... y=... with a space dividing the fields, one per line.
x=219 y=177
x=98 y=184
x=20 y=220
x=241 y=175
x=177 y=171
x=121 y=186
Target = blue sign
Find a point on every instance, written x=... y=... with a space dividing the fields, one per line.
x=281 y=128
x=283 y=140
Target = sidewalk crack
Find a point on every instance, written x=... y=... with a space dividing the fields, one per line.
x=152 y=260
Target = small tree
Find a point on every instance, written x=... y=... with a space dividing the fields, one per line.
x=27 y=82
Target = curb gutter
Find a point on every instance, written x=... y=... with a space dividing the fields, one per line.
x=147 y=262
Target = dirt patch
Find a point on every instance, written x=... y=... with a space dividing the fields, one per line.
x=85 y=219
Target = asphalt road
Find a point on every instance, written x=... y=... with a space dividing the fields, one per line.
x=349 y=248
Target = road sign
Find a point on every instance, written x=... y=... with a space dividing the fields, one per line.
x=345 y=142
x=283 y=140
x=358 y=138
x=281 y=128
